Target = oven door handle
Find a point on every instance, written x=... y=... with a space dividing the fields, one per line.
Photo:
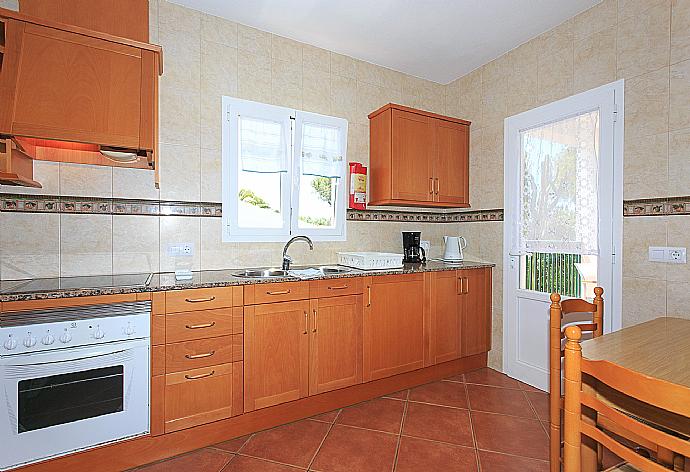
x=72 y=354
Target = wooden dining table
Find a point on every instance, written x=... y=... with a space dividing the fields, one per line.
x=659 y=348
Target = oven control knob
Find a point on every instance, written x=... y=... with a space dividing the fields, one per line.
x=30 y=341
x=129 y=330
x=98 y=334
x=10 y=344
x=65 y=337
x=48 y=339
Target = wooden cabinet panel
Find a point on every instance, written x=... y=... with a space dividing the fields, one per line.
x=335 y=350
x=198 y=396
x=276 y=356
x=394 y=321
x=444 y=316
x=275 y=292
x=412 y=158
x=476 y=311
x=202 y=299
x=451 y=167
x=200 y=324
x=335 y=287
x=203 y=353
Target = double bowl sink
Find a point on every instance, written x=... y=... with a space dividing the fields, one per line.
x=275 y=272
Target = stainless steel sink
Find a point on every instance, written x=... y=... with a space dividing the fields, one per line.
x=261 y=273
x=329 y=270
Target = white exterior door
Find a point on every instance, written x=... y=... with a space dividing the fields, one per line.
x=563 y=219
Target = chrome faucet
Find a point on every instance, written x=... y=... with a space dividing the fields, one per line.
x=287 y=259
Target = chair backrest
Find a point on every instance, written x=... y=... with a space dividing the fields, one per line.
x=657 y=393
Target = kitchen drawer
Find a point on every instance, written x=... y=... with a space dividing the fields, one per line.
x=202 y=324
x=203 y=353
x=202 y=299
x=277 y=292
x=198 y=396
x=335 y=287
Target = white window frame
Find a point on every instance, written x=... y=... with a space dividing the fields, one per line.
x=293 y=120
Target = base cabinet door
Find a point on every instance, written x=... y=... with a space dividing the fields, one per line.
x=444 y=316
x=335 y=351
x=393 y=325
x=198 y=396
x=476 y=311
x=276 y=357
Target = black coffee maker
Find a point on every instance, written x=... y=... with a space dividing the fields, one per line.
x=412 y=251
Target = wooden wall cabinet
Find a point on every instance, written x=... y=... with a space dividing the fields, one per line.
x=418 y=158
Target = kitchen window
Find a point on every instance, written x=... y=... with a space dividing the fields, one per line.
x=284 y=173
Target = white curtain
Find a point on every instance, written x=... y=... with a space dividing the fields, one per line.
x=559 y=187
x=322 y=153
x=263 y=146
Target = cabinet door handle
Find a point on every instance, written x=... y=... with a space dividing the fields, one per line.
x=431 y=186
x=200 y=326
x=280 y=292
x=199 y=300
x=338 y=287
x=199 y=356
x=467 y=286
x=461 y=280
x=438 y=186
x=368 y=295
x=315 y=321
x=306 y=322
x=200 y=376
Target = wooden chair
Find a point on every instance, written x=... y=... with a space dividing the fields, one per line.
x=594 y=324
x=670 y=449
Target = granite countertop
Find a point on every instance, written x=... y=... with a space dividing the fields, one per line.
x=37 y=289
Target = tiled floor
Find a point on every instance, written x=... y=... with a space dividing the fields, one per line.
x=482 y=420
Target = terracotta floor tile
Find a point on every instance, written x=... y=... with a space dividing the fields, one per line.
x=519 y=436
x=488 y=376
x=328 y=417
x=417 y=455
x=293 y=444
x=456 y=378
x=382 y=414
x=250 y=464
x=438 y=423
x=495 y=462
x=528 y=388
x=351 y=449
x=401 y=395
x=233 y=445
x=441 y=393
x=540 y=402
x=201 y=460
x=499 y=400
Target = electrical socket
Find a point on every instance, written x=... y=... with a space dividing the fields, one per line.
x=671 y=255
x=181 y=249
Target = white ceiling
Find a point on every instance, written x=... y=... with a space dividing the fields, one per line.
x=439 y=40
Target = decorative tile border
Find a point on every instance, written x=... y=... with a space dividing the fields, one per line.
x=120 y=206
x=657 y=206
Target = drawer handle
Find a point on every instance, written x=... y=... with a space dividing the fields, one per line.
x=339 y=287
x=281 y=292
x=199 y=356
x=199 y=326
x=200 y=376
x=369 y=295
x=199 y=300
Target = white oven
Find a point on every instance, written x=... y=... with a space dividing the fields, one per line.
x=59 y=399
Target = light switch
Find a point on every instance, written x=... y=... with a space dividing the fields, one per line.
x=657 y=254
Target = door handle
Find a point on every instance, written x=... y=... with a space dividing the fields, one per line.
x=306 y=322
x=280 y=292
x=199 y=300
x=461 y=280
x=368 y=295
x=200 y=376
x=438 y=186
x=199 y=356
x=467 y=285
x=339 y=287
x=431 y=185
x=200 y=326
x=316 y=323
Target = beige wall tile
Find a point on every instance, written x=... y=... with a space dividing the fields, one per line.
x=369 y=73
x=643 y=41
x=218 y=78
x=286 y=83
x=173 y=17
x=253 y=41
x=678 y=236
x=596 y=19
x=218 y=30
x=134 y=183
x=476 y=163
x=471 y=103
x=679 y=162
x=179 y=116
x=522 y=95
x=45 y=172
x=85 y=180
x=643 y=300
x=86 y=245
x=153 y=21
x=646 y=104
x=32 y=248
x=553 y=42
x=491 y=172
x=316 y=58
x=215 y=254
x=316 y=91
x=286 y=49
x=253 y=76
x=178 y=230
x=343 y=65
x=595 y=60
x=679 y=113
x=495 y=360
x=344 y=98
x=680 y=31
x=182 y=61
x=640 y=233
x=369 y=98
x=494 y=104
x=180 y=175
x=555 y=75
x=678 y=299
x=135 y=244
x=645 y=166
x=211 y=175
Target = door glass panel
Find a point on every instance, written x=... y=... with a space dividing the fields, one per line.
x=64 y=398
x=558 y=216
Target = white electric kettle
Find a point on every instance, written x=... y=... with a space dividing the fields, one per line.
x=454 y=247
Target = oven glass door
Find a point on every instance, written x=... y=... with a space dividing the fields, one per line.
x=71 y=399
